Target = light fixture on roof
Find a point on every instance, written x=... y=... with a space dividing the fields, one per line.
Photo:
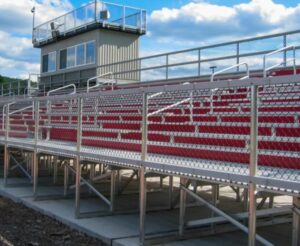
x=54 y=29
x=104 y=14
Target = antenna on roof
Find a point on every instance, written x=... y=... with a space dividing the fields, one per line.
x=33 y=20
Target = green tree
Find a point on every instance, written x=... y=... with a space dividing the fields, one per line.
x=1 y=79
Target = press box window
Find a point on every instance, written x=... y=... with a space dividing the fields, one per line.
x=71 y=57
x=49 y=62
x=63 y=59
x=80 y=59
x=90 y=52
x=78 y=55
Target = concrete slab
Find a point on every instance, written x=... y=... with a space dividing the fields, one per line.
x=123 y=230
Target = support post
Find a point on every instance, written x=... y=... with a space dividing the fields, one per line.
x=77 y=159
x=6 y=165
x=253 y=166
x=143 y=199
x=6 y=151
x=112 y=190
x=182 y=206
x=170 y=192
x=55 y=167
x=143 y=183
x=66 y=179
x=296 y=220
x=77 y=192
x=35 y=154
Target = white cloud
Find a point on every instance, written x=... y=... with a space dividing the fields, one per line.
x=15 y=16
x=198 y=22
x=16 y=68
x=13 y=46
x=17 y=55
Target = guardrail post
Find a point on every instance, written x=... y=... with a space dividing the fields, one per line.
x=95 y=9
x=285 y=52
x=143 y=183
x=77 y=159
x=167 y=67
x=9 y=88
x=18 y=88
x=237 y=56
x=123 y=17
x=199 y=62
x=253 y=166
x=141 y=21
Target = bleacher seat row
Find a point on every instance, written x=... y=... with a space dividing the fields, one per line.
x=214 y=125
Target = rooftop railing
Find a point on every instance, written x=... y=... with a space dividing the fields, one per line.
x=108 y=14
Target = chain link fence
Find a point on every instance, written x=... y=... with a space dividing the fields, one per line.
x=202 y=129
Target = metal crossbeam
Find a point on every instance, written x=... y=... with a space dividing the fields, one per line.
x=91 y=187
x=20 y=167
x=226 y=216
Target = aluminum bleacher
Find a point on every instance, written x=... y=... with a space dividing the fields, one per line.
x=233 y=132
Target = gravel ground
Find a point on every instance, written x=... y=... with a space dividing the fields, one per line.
x=20 y=225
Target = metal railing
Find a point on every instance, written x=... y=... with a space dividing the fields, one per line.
x=284 y=49
x=111 y=81
x=278 y=177
x=108 y=14
x=4 y=110
x=63 y=88
x=192 y=63
x=230 y=68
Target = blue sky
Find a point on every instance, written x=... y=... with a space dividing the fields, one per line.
x=172 y=25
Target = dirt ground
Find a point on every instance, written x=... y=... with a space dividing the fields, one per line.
x=20 y=225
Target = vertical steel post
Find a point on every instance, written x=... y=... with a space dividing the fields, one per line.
x=285 y=51
x=66 y=178
x=6 y=159
x=143 y=183
x=296 y=221
x=294 y=61
x=124 y=18
x=170 y=192
x=18 y=93
x=253 y=165
x=141 y=20
x=95 y=9
x=112 y=190
x=182 y=206
x=55 y=166
x=35 y=155
x=6 y=151
x=199 y=62
x=238 y=56
x=167 y=67
x=77 y=159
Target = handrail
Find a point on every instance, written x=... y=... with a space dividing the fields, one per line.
x=64 y=87
x=170 y=106
x=231 y=67
x=112 y=81
x=4 y=114
x=265 y=69
x=20 y=110
x=9 y=94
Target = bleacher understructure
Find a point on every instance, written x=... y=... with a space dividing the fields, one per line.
x=242 y=133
